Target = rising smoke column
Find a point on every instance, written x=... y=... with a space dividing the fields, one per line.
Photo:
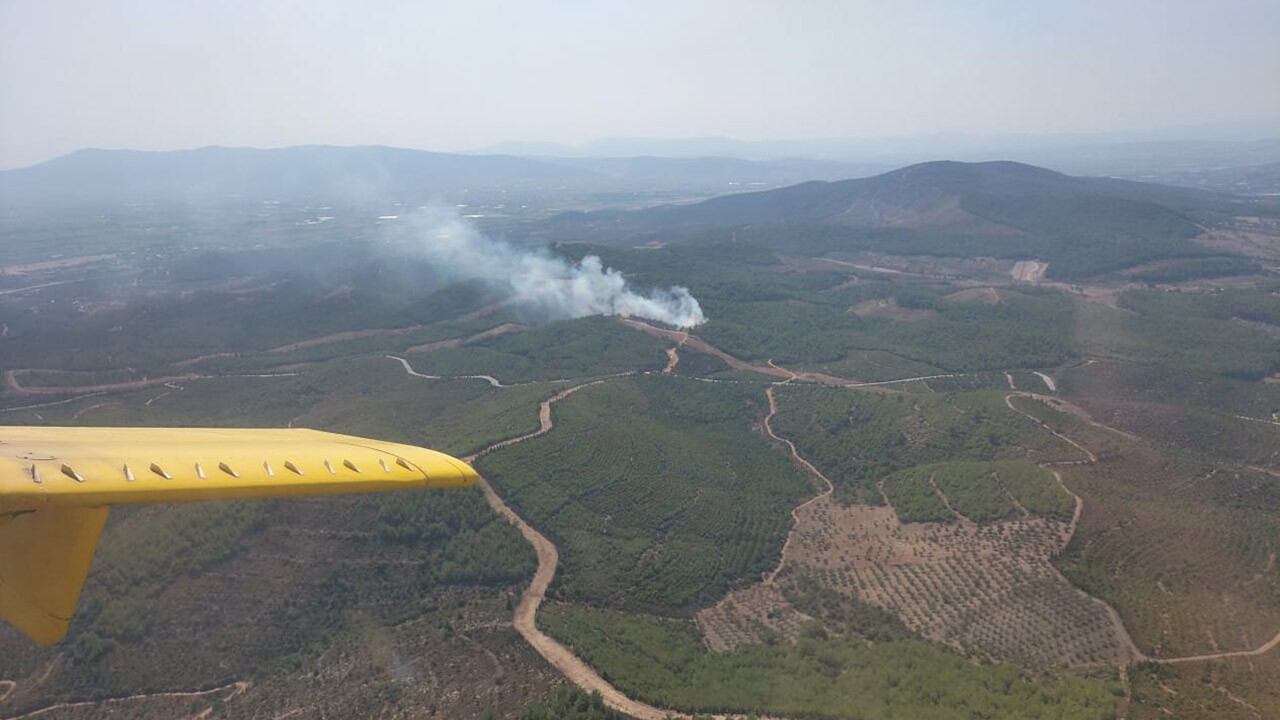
x=539 y=279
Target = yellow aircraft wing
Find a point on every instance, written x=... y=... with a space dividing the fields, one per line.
x=58 y=483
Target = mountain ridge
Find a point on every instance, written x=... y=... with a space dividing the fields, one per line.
x=371 y=172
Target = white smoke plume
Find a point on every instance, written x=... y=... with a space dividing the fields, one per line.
x=539 y=279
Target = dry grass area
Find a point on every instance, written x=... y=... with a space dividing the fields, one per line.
x=1253 y=237
x=987 y=589
x=750 y=615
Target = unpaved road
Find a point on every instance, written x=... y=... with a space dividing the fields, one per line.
x=1269 y=645
x=236 y=688
x=495 y=382
x=525 y=620
x=11 y=380
x=1008 y=400
x=673 y=354
x=795 y=455
x=343 y=337
x=703 y=346
x=460 y=341
x=1048 y=381
x=682 y=337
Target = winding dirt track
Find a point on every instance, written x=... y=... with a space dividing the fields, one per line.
x=1008 y=400
x=235 y=687
x=795 y=516
x=682 y=337
x=11 y=379
x=525 y=620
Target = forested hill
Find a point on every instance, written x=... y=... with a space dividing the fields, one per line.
x=1000 y=209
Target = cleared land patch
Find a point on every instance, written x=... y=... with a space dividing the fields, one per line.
x=889 y=309
x=987 y=589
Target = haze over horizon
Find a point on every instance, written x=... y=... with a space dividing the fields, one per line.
x=150 y=75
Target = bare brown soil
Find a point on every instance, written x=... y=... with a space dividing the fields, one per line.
x=1028 y=270
x=673 y=355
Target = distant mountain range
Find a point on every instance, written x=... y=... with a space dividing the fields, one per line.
x=1132 y=155
x=692 y=167
x=354 y=174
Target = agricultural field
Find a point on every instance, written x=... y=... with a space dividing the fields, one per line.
x=986 y=589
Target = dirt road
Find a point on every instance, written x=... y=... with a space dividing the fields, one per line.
x=460 y=341
x=1008 y=400
x=702 y=346
x=525 y=620
x=11 y=380
x=236 y=688
x=343 y=337
x=795 y=512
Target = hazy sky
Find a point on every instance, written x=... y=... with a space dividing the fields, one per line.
x=169 y=74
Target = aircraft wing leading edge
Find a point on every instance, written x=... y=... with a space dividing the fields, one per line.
x=58 y=483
